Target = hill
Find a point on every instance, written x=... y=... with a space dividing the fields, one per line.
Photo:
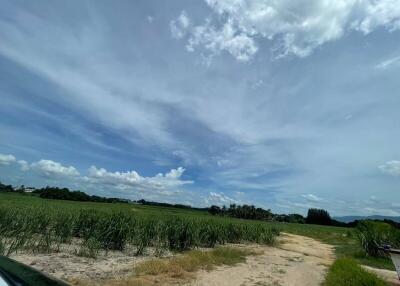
x=348 y=219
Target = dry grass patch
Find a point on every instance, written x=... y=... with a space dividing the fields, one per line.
x=194 y=260
x=180 y=269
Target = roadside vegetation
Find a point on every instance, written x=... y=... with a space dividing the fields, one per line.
x=372 y=235
x=348 y=272
x=346 y=241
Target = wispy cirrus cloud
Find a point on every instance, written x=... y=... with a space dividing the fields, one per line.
x=312 y=198
x=99 y=85
x=388 y=63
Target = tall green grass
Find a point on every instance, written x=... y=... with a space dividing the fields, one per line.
x=41 y=228
x=348 y=272
x=372 y=235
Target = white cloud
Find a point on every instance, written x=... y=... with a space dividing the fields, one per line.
x=219 y=199
x=391 y=168
x=293 y=27
x=239 y=45
x=24 y=165
x=6 y=159
x=172 y=179
x=128 y=184
x=131 y=184
x=311 y=198
x=175 y=173
x=49 y=168
x=374 y=14
x=180 y=26
x=388 y=63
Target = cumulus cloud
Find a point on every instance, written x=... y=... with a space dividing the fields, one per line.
x=132 y=178
x=49 y=168
x=293 y=27
x=128 y=184
x=391 y=168
x=6 y=159
x=175 y=173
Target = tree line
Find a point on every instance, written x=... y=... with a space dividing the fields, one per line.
x=168 y=205
x=314 y=216
x=56 y=193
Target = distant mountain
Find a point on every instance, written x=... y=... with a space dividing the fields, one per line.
x=347 y=219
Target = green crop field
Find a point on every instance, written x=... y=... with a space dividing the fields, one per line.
x=23 y=200
x=40 y=225
x=144 y=226
x=29 y=222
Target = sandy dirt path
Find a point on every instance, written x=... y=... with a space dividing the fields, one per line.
x=296 y=260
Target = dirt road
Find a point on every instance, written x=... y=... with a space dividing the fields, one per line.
x=296 y=260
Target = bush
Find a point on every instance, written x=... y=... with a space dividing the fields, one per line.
x=348 y=272
x=372 y=235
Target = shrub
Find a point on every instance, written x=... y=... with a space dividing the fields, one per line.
x=372 y=235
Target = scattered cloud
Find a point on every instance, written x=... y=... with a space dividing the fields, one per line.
x=6 y=159
x=180 y=26
x=172 y=179
x=239 y=45
x=220 y=198
x=266 y=129
x=126 y=184
x=50 y=169
x=391 y=168
x=293 y=27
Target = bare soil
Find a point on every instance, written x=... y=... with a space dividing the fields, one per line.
x=67 y=266
x=296 y=260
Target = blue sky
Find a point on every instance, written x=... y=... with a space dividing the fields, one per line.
x=285 y=105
